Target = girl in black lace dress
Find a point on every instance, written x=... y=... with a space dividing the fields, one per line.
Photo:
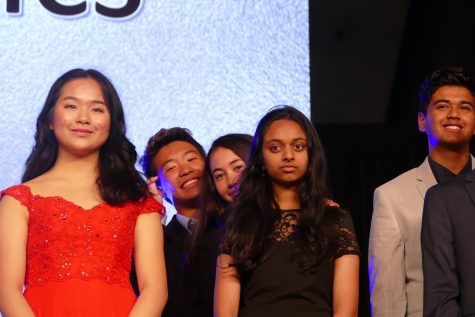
x=286 y=251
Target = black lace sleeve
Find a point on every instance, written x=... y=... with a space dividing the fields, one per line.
x=347 y=243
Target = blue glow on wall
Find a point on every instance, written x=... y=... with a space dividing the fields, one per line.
x=214 y=67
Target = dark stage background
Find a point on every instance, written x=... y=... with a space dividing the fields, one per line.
x=367 y=62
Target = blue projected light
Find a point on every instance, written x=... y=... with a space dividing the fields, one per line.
x=214 y=67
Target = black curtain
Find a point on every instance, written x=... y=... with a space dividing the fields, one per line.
x=363 y=156
x=360 y=158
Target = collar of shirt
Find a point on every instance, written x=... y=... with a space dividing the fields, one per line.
x=183 y=220
x=442 y=173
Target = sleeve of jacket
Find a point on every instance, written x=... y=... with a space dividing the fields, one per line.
x=386 y=267
x=441 y=284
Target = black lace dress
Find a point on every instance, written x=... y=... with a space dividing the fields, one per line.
x=277 y=287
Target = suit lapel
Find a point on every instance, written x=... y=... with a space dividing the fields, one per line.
x=425 y=178
x=175 y=232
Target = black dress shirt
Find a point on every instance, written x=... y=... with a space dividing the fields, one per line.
x=442 y=173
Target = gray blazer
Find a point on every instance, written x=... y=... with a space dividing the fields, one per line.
x=394 y=255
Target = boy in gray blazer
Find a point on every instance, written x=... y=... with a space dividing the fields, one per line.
x=447 y=116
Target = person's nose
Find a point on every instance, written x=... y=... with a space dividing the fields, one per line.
x=232 y=181
x=453 y=113
x=83 y=115
x=288 y=154
x=185 y=170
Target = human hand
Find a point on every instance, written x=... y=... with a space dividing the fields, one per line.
x=331 y=203
x=154 y=190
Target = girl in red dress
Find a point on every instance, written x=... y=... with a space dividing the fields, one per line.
x=68 y=231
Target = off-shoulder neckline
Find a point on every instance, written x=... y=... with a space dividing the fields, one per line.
x=28 y=188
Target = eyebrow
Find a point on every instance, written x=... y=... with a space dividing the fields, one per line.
x=77 y=99
x=293 y=140
x=191 y=151
x=216 y=170
x=184 y=154
x=448 y=101
x=230 y=163
x=167 y=161
x=235 y=161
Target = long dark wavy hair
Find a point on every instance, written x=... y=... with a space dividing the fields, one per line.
x=212 y=205
x=118 y=179
x=255 y=211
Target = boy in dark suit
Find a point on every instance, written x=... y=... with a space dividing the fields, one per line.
x=176 y=160
x=448 y=234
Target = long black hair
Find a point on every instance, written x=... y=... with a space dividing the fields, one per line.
x=118 y=179
x=255 y=211
x=212 y=205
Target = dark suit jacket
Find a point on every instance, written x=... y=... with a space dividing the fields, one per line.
x=448 y=248
x=205 y=269
x=180 y=300
x=187 y=296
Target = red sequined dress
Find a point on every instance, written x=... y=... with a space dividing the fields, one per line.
x=78 y=260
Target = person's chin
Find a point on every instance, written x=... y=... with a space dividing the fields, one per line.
x=191 y=194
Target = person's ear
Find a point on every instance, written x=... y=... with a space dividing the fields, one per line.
x=421 y=122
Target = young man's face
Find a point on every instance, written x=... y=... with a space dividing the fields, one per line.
x=450 y=118
x=180 y=166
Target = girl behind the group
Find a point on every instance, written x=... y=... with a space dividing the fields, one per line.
x=68 y=231
x=226 y=160
x=286 y=252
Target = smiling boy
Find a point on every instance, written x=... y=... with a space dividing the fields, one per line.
x=177 y=159
x=447 y=117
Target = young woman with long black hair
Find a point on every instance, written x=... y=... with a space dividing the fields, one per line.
x=286 y=250
x=68 y=231
x=226 y=160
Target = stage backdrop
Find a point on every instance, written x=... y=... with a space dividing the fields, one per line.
x=214 y=67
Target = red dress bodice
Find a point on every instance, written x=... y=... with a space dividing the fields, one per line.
x=69 y=246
